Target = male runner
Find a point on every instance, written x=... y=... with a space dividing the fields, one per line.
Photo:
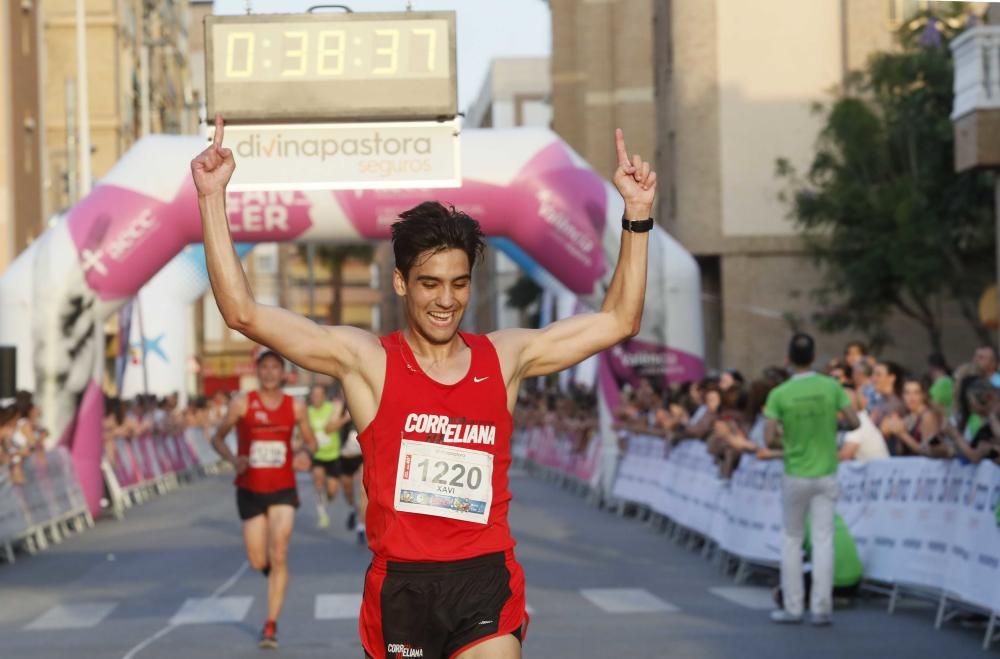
x=434 y=405
x=326 y=418
x=350 y=466
x=266 y=495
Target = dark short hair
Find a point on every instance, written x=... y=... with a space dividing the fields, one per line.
x=269 y=353
x=857 y=344
x=802 y=349
x=937 y=360
x=7 y=413
x=897 y=372
x=432 y=227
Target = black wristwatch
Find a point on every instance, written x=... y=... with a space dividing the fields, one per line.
x=637 y=226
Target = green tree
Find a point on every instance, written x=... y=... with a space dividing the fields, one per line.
x=881 y=209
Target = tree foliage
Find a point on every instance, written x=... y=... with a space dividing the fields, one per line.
x=881 y=208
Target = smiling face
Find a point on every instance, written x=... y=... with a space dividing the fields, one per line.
x=436 y=293
x=270 y=372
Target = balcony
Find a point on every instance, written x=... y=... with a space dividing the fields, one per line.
x=976 y=53
x=976 y=109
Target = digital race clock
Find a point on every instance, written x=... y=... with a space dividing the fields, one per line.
x=331 y=67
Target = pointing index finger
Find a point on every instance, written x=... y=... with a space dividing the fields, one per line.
x=218 y=130
x=623 y=159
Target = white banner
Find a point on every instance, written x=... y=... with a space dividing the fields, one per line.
x=915 y=521
x=416 y=154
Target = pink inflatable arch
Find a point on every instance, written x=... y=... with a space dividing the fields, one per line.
x=524 y=185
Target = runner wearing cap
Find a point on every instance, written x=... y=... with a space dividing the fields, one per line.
x=434 y=408
x=266 y=494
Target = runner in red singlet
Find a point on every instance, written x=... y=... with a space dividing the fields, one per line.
x=266 y=494
x=434 y=406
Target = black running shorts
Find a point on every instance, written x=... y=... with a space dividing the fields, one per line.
x=331 y=467
x=350 y=466
x=439 y=610
x=250 y=503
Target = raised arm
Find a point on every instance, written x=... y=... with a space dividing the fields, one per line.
x=332 y=350
x=529 y=353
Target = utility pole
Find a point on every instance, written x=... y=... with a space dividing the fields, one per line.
x=83 y=103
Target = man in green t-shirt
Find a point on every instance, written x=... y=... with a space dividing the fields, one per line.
x=326 y=417
x=807 y=407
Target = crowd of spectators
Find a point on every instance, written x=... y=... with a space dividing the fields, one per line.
x=22 y=435
x=933 y=414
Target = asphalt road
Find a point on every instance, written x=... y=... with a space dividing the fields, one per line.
x=170 y=581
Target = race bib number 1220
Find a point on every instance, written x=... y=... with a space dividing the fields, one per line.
x=444 y=481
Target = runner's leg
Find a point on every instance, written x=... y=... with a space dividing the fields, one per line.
x=501 y=647
x=280 y=521
x=319 y=483
x=362 y=503
x=255 y=539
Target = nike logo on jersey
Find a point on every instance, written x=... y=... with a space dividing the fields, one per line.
x=478 y=380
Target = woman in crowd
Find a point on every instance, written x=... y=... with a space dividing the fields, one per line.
x=981 y=400
x=887 y=377
x=916 y=433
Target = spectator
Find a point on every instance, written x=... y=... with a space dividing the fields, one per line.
x=865 y=443
x=864 y=388
x=807 y=408
x=841 y=372
x=730 y=378
x=8 y=421
x=916 y=434
x=985 y=361
x=942 y=390
x=983 y=400
x=856 y=352
x=703 y=420
x=888 y=380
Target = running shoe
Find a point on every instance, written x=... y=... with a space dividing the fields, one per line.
x=269 y=636
x=352 y=521
x=362 y=538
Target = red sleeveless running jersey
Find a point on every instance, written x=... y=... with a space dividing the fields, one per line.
x=470 y=414
x=265 y=437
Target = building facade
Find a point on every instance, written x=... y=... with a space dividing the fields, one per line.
x=717 y=91
x=130 y=92
x=21 y=136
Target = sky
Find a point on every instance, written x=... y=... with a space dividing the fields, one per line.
x=486 y=29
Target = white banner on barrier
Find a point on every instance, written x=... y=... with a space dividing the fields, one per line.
x=915 y=521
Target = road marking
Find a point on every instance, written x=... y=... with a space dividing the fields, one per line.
x=758 y=599
x=338 y=606
x=79 y=615
x=206 y=610
x=627 y=600
x=166 y=630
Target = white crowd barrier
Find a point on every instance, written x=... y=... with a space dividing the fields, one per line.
x=149 y=465
x=46 y=508
x=920 y=525
x=50 y=505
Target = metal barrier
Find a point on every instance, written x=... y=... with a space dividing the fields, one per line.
x=924 y=528
x=48 y=507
